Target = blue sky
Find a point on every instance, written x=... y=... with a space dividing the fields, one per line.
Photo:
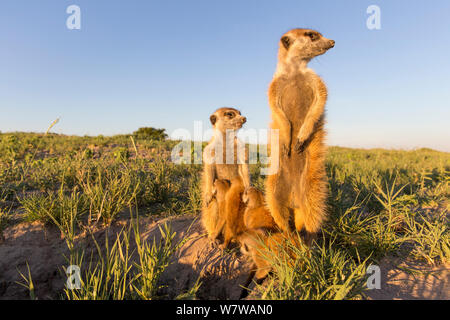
x=169 y=63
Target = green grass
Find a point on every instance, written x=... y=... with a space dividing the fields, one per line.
x=326 y=271
x=117 y=276
x=382 y=202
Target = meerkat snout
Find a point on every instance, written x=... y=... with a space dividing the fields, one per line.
x=332 y=42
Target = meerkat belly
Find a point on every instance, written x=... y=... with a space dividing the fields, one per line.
x=227 y=171
x=296 y=99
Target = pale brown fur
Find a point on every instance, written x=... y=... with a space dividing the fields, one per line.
x=260 y=245
x=256 y=214
x=220 y=190
x=234 y=212
x=226 y=122
x=296 y=194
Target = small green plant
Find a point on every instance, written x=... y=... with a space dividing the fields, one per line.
x=321 y=272
x=431 y=238
x=194 y=197
x=109 y=191
x=121 y=154
x=109 y=277
x=87 y=154
x=28 y=283
x=157 y=184
x=62 y=209
x=154 y=258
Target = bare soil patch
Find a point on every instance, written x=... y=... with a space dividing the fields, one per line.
x=42 y=247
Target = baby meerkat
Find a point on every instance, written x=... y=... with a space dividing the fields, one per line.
x=260 y=245
x=217 y=207
x=256 y=214
x=225 y=159
x=296 y=194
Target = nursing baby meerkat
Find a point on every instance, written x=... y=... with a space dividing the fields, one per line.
x=216 y=209
x=296 y=194
x=256 y=214
x=224 y=159
x=261 y=245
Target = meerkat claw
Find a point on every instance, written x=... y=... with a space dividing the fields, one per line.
x=300 y=146
x=286 y=150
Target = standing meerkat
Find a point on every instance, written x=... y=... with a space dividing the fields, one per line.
x=296 y=194
x=225 y=159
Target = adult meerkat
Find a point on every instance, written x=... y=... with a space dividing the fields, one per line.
x=296 y=194
x=225 y=159
x=256 y=214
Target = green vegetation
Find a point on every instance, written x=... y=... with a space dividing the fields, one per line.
x=150 y=133
x=115 y=275
x=381 y=203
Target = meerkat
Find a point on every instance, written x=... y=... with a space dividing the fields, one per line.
x=256 y=214
x=261 y=244
x=216 y=208
x=225 y=159
x=234 y=212
x=296 y=194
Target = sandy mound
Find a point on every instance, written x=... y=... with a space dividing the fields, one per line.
x=220 y=273
x=410 y=281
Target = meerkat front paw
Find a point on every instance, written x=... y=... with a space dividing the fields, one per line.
x=244 y=196
x=286 y=150
x=210 y=196
x=300 y=146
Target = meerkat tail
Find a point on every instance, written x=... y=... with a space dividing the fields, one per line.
x=280 y=213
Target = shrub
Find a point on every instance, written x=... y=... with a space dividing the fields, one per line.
x=150 y=133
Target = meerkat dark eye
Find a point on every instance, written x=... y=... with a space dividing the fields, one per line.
x=312 y=35
x=286 y=41
x=229 y=114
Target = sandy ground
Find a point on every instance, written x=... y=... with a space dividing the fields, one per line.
x=220 y=273
x=411 y=281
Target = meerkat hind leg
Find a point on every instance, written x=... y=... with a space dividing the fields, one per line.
x=280 y=213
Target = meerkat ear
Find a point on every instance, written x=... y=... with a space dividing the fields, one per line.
x=286 y=41
x=213 y=119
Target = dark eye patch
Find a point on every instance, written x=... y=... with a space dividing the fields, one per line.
x=286 y=41
x=312 y=35
x=229 y=114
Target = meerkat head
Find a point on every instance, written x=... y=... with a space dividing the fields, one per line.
x=253 y=198
x=224 y=119
x=302 y=45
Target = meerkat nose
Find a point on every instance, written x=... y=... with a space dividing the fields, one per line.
x=244 y=120
x=332 y=43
